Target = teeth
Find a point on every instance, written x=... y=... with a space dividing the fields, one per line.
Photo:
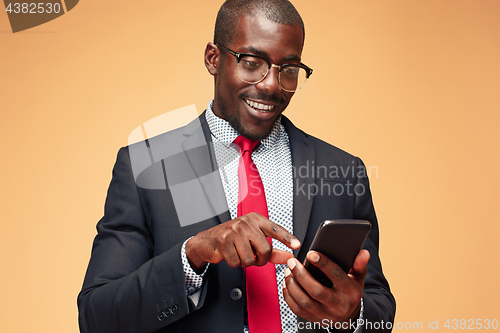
x=259 y=106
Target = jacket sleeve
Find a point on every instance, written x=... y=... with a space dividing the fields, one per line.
x=379 y=303
x=127 y=288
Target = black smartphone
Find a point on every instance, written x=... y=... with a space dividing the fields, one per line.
x=339 y=240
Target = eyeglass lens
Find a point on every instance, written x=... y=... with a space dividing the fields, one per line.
x=253 y=70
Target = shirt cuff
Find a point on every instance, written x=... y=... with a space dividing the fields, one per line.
x=359 y=327
x=192 y=280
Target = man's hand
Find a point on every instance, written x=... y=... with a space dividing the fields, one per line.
x=310 y=300
x=241 y=242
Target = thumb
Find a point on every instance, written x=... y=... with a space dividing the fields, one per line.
x=359 y=268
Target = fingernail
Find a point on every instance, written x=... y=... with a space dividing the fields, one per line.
x=291 y=263
x=313 y=256
x=295 y=243
x=284 y=284
x=287 y=272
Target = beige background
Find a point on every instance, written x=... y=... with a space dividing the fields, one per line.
x=411 y=86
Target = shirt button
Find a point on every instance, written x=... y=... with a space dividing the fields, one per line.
x=191 y=290
x=236 y=294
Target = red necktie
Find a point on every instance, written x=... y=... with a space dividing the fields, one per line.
x=262 y=294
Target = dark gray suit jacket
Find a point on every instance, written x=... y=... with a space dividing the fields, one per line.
x=135 y=281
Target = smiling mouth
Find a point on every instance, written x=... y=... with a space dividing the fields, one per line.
x=259 y=106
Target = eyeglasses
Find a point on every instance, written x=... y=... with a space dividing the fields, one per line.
x=253 y=69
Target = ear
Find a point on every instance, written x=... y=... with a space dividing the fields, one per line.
x=212 y=58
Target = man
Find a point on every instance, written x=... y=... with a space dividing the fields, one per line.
x=151 y=270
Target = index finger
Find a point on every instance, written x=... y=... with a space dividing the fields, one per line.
x=277 y=232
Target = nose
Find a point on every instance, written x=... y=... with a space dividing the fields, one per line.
x=270 y=84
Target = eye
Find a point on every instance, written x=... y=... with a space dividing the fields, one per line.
x=250 y=64
x=290 y=71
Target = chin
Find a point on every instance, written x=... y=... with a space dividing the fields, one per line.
x=258 y=135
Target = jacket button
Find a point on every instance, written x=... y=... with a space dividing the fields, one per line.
x=236 y=294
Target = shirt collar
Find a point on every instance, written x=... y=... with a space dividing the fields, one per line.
x=225 y=133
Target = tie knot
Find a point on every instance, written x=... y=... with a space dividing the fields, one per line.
x=245 y=144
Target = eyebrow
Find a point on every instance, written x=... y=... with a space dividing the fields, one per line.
x=262 y=53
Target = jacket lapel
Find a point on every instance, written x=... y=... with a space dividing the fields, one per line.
x=303 y=155
x=199 y=152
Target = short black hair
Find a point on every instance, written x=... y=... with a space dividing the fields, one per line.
x=278 y=11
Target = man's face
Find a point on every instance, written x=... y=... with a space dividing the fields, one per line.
x=233 y=97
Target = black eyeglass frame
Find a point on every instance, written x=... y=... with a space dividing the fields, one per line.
x=239 y=56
